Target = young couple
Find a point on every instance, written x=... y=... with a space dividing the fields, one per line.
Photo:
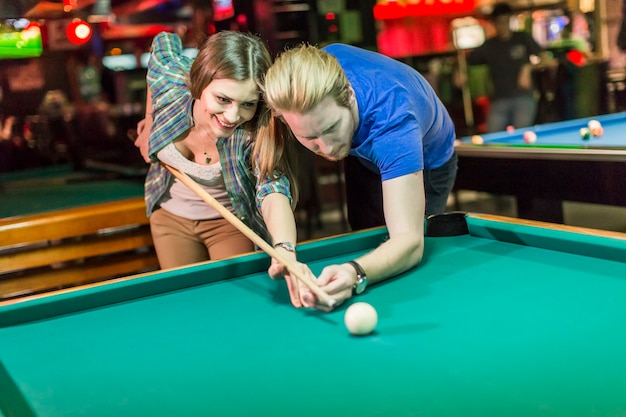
x=228 y=119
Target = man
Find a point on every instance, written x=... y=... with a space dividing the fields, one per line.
x=397 y=140
x=507 y=55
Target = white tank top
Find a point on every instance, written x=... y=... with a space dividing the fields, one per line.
x=182 y=201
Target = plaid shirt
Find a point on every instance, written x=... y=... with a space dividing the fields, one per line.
x=172 y=103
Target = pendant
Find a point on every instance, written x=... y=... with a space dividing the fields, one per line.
x=207 y=159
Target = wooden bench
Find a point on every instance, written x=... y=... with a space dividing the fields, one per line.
x=65 y=248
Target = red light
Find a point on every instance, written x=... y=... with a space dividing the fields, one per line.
x=576 y=57
x=398 y=10
x=32 y=24
x=68 y=5
x=78 y=32
x=330 y=16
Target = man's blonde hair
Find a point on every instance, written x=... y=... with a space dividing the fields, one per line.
x=299 y=80
x=302 y=77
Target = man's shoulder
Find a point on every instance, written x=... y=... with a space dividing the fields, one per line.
x=336 y=46
x=342 y=49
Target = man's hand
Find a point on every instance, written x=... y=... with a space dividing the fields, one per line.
x=335 y=280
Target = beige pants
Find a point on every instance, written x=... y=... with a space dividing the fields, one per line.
x=179 y=241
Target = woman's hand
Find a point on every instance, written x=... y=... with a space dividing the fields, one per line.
x=294 y=285
x=141 y=138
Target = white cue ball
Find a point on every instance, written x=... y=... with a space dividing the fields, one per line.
x=361 y=318
x=593 y=124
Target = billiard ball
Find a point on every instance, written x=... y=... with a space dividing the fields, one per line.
x=530 y=136
x=593 y=123
x=360 y=318
x=510 y=128
x=477 y=140
x=585 y=133
x=597 y=131
x=595 y=127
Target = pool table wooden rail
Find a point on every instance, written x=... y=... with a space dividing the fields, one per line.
x=540 y=152
x=64 y=248
x=594 y=243
x=552 y=226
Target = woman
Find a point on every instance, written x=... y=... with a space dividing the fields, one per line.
x=201 y=116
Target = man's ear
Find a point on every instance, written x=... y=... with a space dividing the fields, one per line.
x=351 y=93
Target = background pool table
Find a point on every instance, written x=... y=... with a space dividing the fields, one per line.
x=60 y=187
x=509 y=320
x=560 y=166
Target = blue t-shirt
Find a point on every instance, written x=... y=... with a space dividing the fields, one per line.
x=403 y=126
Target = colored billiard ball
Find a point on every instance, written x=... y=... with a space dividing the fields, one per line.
x=477 y=140
x=510 y=128
x=361 y=318
x=597 y=131
x=530 y=136
x=585 y=133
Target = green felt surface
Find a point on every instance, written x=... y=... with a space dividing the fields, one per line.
x=501 y=322
x=57 y=188
x=37 y=173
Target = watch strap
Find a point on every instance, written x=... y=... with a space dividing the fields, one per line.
x=361 y=278
x=288 y=246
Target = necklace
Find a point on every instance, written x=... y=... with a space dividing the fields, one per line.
x=207 y=158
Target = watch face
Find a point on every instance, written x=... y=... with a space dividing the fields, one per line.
x=361 y=283
x=361 y=279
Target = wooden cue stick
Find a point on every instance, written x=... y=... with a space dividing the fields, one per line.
x=258 y=240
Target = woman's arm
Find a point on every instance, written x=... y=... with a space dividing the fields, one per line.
x=281 y=225
x=144 y=126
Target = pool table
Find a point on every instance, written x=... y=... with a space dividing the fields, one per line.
x=513 y=318
x=560 y=166
x=59 y=187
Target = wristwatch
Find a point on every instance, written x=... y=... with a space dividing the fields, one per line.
x=361 y=279
x=288 y=246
